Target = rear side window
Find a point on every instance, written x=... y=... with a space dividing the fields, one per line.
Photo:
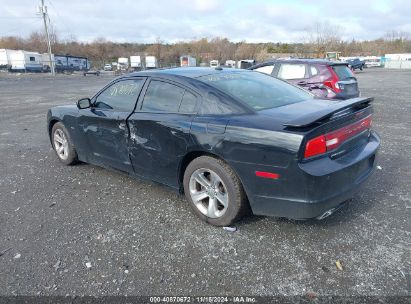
x=268 y=69
x=313 y=70
x=292 y=71
x=162 y=97
x=188 y=103
x=343 y=72
x=166 y=97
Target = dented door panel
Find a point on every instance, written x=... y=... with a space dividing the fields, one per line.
x=157 y=143
x=105 y=135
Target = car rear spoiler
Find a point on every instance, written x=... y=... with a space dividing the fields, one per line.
x=306 y=120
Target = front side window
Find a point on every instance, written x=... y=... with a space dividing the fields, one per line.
x=162 y=97
x=291 y=71
x=120 y=96
x=32 y=59
x=257 y=90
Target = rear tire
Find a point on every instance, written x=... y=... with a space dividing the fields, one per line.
x=214 y=191
x=62 y=145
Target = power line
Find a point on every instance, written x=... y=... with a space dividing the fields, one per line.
x=17 y=17
x=61 y=20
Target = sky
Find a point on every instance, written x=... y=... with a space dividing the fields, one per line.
x=183 y=20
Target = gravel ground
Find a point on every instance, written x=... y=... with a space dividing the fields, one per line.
x=84 y=230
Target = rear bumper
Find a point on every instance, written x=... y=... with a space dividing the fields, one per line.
x=312 y=188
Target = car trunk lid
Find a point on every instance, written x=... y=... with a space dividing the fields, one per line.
x=330 y=128
x=337 y=131
x=330 y=110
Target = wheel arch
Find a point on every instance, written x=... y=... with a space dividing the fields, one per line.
x=52 y=122
x=190 y=156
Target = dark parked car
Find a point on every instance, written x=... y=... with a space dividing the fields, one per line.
x=325 y=79
x=92 y=72
x=356 y=64
x=231 y=140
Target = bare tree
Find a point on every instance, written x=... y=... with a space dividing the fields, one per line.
x=245 y=51
x=323 y=37
x=320 y=38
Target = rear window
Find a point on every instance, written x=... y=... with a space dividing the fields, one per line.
x=343 y=72
x=257 y=90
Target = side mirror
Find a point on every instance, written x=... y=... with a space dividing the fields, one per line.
x=84 y=103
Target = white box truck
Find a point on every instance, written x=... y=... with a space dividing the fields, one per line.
x=214 y=63
x=122 y=64
x=188 y=61
x=230 y=63
x=135 y=63
x=151 y=62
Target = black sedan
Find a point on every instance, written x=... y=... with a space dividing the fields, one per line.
x=231 y=140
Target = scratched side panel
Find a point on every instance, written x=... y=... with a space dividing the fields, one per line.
x=157 y=144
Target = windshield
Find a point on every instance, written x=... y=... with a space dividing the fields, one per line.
x=257 y=90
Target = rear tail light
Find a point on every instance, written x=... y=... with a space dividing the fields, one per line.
x=315 y=146
x=332 y=82
x=332 y=140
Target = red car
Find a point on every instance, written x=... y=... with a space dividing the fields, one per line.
x=323 y=78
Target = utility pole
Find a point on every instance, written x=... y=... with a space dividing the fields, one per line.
x=43 y=10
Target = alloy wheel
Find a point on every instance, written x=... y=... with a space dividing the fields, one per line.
x=208 y=193
x=61 y=144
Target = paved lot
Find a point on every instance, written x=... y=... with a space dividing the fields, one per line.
x=142 y=239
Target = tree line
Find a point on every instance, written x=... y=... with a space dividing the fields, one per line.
x=320 y=39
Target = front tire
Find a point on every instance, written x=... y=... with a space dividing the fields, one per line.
x=63 y=145
x=214 y=191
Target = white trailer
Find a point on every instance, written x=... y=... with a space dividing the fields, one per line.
x=4 y=59
x=214 y=63
x=230 y=63
x=398 y=57
x=151 y=62
x=25 y=61
x=45 y=61
x=188 y=61
x=122 y=64
x=372 y=61
x=135 y=62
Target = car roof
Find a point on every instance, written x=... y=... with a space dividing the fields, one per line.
x=300 y=60
x=190 y=72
